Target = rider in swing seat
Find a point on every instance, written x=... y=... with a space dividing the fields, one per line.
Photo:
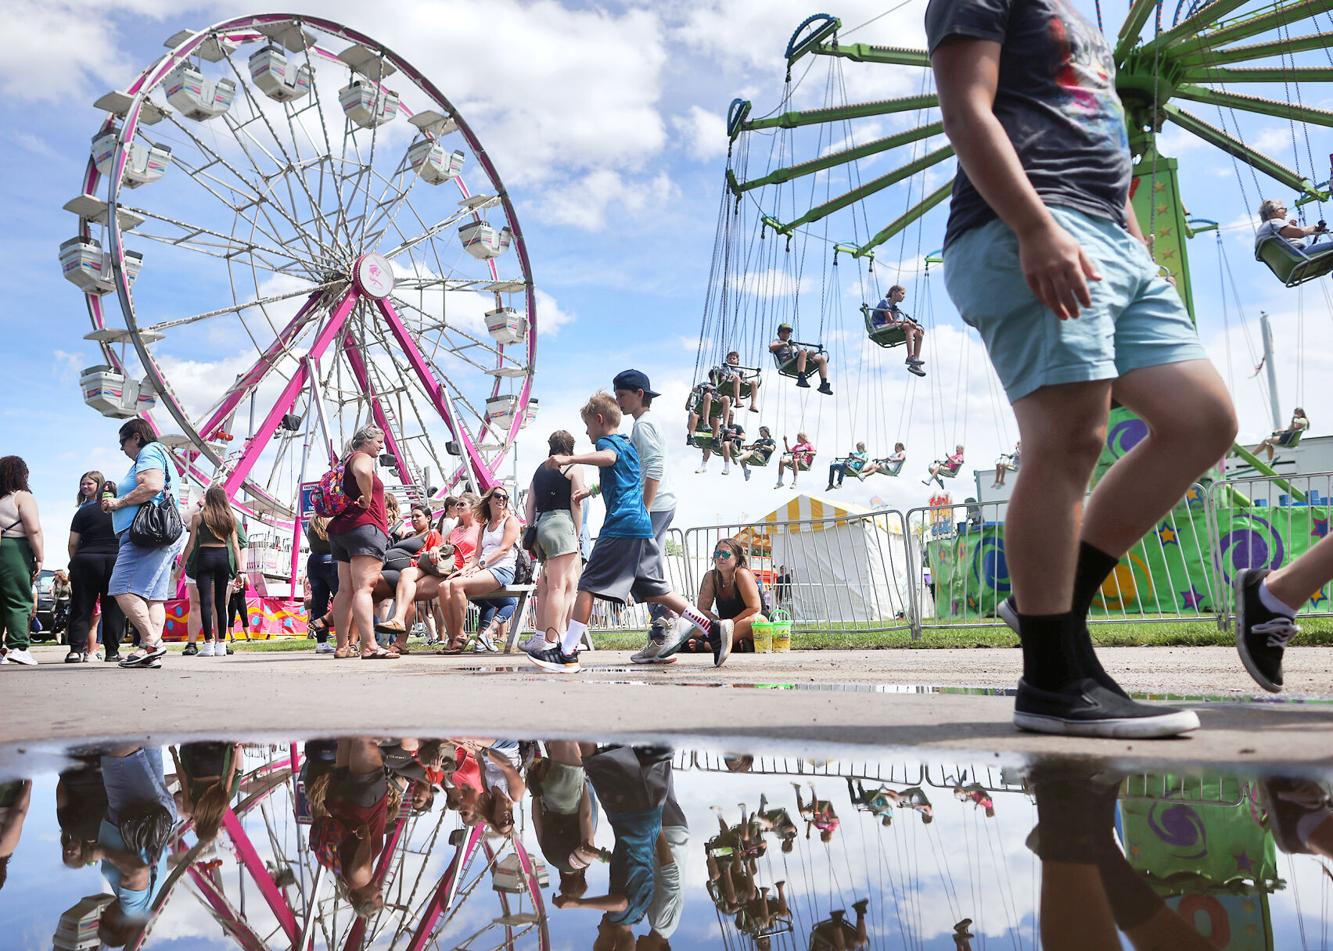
x=890 y=465
x=1278 y=243
x=887 y=313
x=796 y=359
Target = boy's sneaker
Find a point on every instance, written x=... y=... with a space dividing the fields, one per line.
x=555 y=660
x=324 y=648
x=1261 y=634
x=1085 y=708
x=657 y=638
x=745 y=471
x=726 y=468
x=825 y=388
x=207 y=650
x=534 y=643
x=720 y=641
x=190 y=650
x=16 y=656
x=915 y=370
x=701 y=470
x=802 y=382
x=146 y=657
x=673 y=638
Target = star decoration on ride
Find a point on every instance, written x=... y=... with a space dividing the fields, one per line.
x=1318 y=527
x=1243 y=862
x=1168 y=535
x=1318 y=598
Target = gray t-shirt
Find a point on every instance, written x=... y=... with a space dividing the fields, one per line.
x=650 y=444
x=1056 y=100
x=1272 y=228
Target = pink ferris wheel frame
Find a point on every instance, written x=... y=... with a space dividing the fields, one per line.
x=335 y=304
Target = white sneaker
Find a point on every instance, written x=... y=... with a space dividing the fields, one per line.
x=701 y=470
x=20 y=657
x=324 y=648
x=726 y=470
x=207 y=650
x=533 y=643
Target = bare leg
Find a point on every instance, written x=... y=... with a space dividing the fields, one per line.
x=754 y=395
x=136 y=609
x=1074 y=909
x=801 y=357
x=1191 y=425
x=1296 y=583
x=342 y=604
x=363 y=571
x=1062 y=428
x=821 y=363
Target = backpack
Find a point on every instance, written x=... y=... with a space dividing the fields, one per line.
x=522 y=566
x=328 y=498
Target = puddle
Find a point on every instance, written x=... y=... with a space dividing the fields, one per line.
x=401 y=843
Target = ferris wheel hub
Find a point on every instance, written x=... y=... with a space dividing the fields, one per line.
x=373 y=276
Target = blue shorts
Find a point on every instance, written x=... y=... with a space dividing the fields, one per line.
x=145 y=572
x=1137 y=319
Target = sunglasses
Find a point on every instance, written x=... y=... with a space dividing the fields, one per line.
x=724 y=555
x=499 y=498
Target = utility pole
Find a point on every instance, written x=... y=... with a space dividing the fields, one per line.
x=1274 y=404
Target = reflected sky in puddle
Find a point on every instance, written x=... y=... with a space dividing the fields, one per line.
x=472 y=843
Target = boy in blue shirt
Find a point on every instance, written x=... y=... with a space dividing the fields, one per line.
x=626 y=559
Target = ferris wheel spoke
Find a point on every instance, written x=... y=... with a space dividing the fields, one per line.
x=352 y=352
x=260 y=438
x=430 y=322
x=191 y=231
x=251 y=378
x=234 y=308
x=434 y=390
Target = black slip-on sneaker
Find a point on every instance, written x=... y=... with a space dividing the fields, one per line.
x=1288 y=802
x=1085 y=708
x=1261 y=634
x=720 y=641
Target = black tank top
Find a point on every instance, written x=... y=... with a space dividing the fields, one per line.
x=550 y=490
x=727 y=607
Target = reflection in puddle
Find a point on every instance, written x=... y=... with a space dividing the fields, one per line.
x=478 y=843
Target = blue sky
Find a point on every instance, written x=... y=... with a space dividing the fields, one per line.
x=606 y=124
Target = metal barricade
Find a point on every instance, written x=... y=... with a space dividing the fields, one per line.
x=1266 y=522
x=963 y=573
x=843 y=573
x=878 y=771
x=634 y=617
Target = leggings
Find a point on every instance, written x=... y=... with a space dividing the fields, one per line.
x=89 y=574
x=322 y=572
x=211 y=577
x=236 y=609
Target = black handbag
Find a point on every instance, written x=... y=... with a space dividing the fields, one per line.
x=158 y=524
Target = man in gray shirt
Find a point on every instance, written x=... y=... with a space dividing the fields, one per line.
x=634 y=395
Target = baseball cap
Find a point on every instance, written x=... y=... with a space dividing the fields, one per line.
x=784 y=327
x=633 y=380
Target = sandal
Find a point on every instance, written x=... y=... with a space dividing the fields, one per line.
x=317 y=628
x=342 y=653
x=74 y=657
x=379 y=655
x=453 y=647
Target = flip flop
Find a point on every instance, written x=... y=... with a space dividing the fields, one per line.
x=380 y=655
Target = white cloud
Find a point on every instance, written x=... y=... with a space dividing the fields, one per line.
x=600 y=196
x=771 y=282
x=550 y=318
x=704 y=133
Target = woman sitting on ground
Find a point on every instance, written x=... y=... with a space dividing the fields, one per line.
x=729 y=591
x=490 y=568
x=890 y=465
x=433 y=558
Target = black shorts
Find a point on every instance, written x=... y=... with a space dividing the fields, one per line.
x=362 y=540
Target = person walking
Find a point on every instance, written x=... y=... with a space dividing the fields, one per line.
x=634 y=395
x=22 y=550
x=141 y=579
x=322 y=572
x=1044 y=257
x=359 y=540
x=213 y=554
x=92 y=557
x=552 y=509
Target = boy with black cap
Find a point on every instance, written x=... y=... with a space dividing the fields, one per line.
x=634 y=395
x=626 y=560
x=791 y=356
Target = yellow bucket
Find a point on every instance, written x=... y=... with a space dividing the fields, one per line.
x=781 y=625
x=763 y=636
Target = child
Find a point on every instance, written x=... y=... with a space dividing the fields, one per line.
x=626 y=560
x=1040 y=209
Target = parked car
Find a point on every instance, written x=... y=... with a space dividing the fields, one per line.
x=46 y=605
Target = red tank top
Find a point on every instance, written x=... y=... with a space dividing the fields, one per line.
x=355 y=516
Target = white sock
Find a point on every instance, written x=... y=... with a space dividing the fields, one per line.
x=570 y=642
x=698 y=619
x=1270 y=601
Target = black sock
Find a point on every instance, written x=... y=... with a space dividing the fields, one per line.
x=1048 y=663
x=1091 y=570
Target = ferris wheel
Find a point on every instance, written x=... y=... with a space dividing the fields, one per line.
x=302 y=235
x=829 y=176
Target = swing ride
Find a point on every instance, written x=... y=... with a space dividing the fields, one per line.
x=825 y=178
x=353 y=253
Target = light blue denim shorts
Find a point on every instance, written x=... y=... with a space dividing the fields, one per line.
x=1137 y=319
x=142 y=571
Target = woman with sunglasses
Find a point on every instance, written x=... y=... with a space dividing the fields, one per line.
x=730 y=591
x=490 y=568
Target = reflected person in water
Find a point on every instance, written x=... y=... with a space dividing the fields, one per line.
x=132 y=838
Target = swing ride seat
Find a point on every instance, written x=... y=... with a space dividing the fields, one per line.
x=947 y=471
x=1288 y=438
x=705 y=440
x=787 y=368
x=1292 y=265
x=747 y=375
x=758 y=462
x=800 y=466
x=889 y=468
x=887 y=335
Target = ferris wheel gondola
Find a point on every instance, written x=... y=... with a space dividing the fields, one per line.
x=316 y=224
